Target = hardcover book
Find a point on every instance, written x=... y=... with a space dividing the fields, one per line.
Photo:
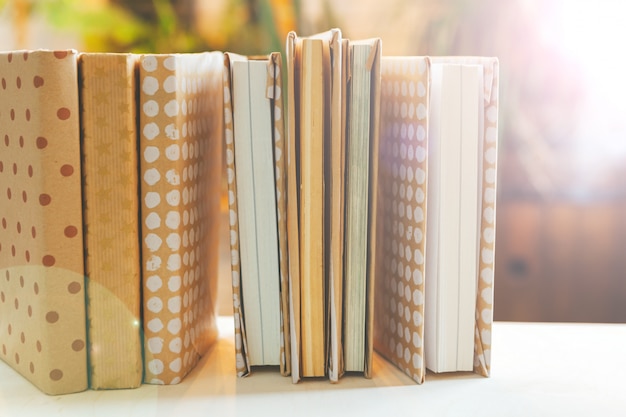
x=180 y=123
x=411 y=180
x=42 y=299
x=256 y=165
x=312 y=107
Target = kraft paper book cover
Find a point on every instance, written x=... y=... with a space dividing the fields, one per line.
x=42 y=298
x=180 y=122
x=111 y=207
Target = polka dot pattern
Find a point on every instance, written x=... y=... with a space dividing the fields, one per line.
x=399 y=301
x=180 y=153
x=42 y=308
x=274 y=92
x=112 y=241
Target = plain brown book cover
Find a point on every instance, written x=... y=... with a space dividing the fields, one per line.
x=180 y=153
x=111 y=218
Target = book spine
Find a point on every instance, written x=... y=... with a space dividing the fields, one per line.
x=109 y=136
x=41 y=247
x=180 y=161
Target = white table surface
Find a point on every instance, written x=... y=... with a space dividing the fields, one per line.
x=537 y=370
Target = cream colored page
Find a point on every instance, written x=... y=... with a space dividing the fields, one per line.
x=452 y=224
x=257 y=211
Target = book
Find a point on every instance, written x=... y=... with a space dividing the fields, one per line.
x=180 y=125
x=272 y=103
x=452 y=226
x=312 y=199
x=110 y=209
x=42 y=298
x=361 y=149
x=404 y=249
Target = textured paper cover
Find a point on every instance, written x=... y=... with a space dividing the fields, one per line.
x=293 y=231
x=484 y=296
x=180 y=169
x=399 y=294
x=42 y=301
x=111 y=207
x=274 y=92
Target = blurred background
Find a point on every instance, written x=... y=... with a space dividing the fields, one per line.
x=561 y=228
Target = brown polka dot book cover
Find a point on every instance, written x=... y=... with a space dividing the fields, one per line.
x=111 y=218
x=180 y=154
x=42 y=296
x=256 y=166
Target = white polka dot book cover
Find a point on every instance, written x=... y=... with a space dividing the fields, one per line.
x=110 y=209
x=437 y=182
x=255 y=167
x=42 y=298
x=180 y=154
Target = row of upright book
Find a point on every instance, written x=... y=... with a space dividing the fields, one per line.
x=361 y=207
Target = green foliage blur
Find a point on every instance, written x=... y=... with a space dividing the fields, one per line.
x=163 y=26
